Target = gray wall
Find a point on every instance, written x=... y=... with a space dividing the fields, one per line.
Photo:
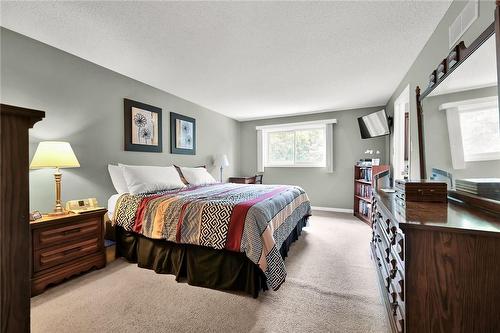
x=436 y=49
x=84 y=105
x=437 y=144
x=334 y=190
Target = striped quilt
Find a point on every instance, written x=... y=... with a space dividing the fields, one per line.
x=253 y=219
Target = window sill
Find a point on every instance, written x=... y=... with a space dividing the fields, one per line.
x=482 y=157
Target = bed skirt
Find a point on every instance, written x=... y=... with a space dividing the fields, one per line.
x=199 y=265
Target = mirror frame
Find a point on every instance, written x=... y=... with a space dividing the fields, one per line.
x=462 y=53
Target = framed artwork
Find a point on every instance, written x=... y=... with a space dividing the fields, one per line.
x=142 y=127
x=182 y=134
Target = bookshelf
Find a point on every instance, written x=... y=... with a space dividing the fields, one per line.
x=363 y=190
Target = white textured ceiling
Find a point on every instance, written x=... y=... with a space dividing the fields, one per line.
x=246 y=60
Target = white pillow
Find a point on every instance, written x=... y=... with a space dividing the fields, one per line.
x=197 y=176
x=148 y=179
x=116 y=174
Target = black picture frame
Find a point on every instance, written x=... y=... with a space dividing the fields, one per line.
x=174 y=149
x=129 y=145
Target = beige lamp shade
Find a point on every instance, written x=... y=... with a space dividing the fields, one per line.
x=54 y=154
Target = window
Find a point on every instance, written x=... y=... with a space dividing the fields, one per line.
x=474 y=130
x=302 y=147
x=480 y=134
x=295 y=145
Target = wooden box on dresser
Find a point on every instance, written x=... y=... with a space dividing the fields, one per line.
x=438 y=266
x=64 y=246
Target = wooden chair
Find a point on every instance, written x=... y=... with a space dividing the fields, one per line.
x=258 y=178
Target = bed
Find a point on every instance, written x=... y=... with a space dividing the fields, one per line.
x=221 y=236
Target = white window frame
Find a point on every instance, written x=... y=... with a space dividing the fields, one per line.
x=453 y=110
x=401 y=107
x=262 y=132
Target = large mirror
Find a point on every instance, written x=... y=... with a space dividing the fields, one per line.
x=461 y=121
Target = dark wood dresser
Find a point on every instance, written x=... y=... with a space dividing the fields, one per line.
x=64 y=246
x=438 y=266
x=242 y=180
x=14 y=217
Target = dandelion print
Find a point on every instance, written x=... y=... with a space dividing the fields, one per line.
x=140 y=120
x=184 y=138
x=144 y=127
x=145 y=133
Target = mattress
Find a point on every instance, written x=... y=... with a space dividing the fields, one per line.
x=247 y=218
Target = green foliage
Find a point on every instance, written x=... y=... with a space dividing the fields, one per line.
x=297 y=147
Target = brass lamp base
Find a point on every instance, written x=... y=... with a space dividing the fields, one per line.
x=65 y=212
x=58 y=209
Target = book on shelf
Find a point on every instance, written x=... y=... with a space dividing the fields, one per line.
x=366 y=174
x=364 y=208
x=365 y=191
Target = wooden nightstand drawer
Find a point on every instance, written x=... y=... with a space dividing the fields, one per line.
x=66 y=245
x=52 y=256
x=65 y=232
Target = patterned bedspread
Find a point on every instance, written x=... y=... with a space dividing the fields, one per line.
x=254 y=219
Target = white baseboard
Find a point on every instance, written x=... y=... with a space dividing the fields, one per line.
x=330 y=209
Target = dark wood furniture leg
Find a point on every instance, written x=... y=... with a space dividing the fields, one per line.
x=14 y=218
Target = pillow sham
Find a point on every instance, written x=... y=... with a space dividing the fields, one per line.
x=182 y=176
x=197 y=176
x=116 y=174
x=148 y=179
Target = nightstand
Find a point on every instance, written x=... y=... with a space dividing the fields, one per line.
x=242 y=180
x=64 y=246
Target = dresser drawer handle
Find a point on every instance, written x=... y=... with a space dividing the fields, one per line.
x=394 y=306
x=76 y=249
x=72 y=231
x=388 y=281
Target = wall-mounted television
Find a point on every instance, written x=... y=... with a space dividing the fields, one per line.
x=374 y=124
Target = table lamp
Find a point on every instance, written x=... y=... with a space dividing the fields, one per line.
x=55 y=154
x=222 y=162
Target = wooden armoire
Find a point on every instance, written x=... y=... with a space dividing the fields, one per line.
x=14 y=217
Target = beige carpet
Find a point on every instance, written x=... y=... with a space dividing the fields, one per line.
x=330 y=287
